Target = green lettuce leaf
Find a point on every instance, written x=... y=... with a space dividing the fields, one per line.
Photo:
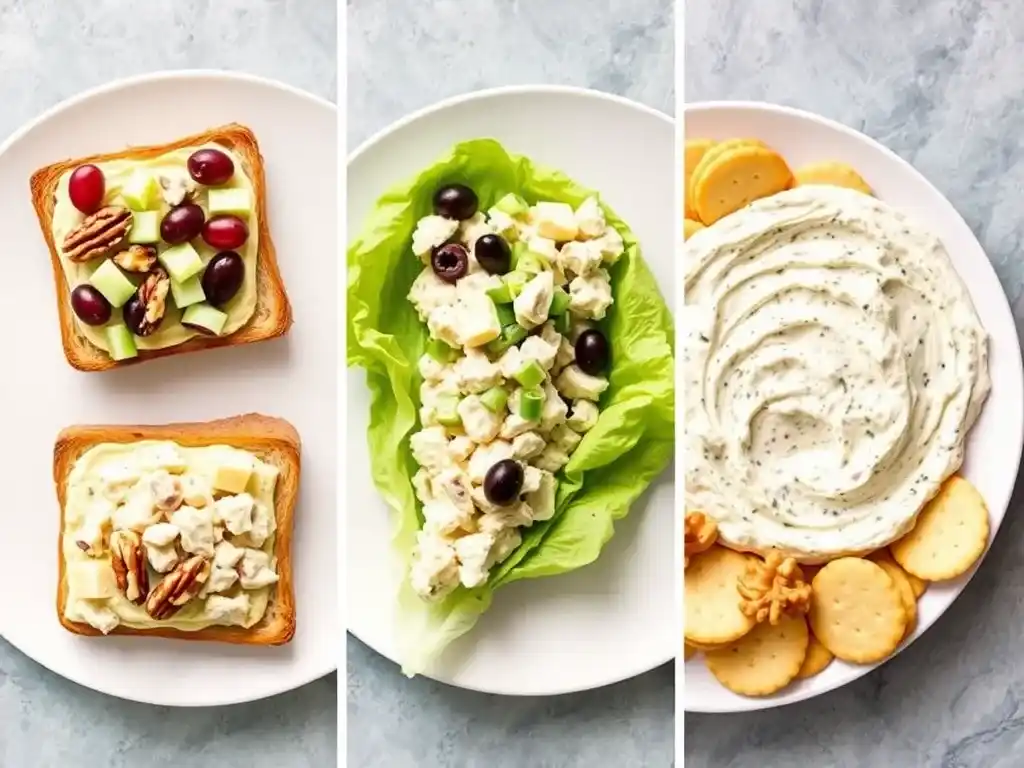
x=629 y=446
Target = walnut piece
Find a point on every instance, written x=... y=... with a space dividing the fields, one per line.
x=700 y=532
x=176 y=187
x=129 y=563
x=178 y=587
x=153 y=295
x=772 y=588
x=98 y=234
x=139 y=259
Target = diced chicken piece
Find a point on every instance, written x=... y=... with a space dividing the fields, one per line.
x=432 y=231
x=590 y=295
x=576 y=384
x=583 y=416
x=532 y=304
x=590 y=219
x=480 y=422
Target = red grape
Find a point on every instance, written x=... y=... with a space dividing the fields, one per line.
x=210 y=167
x=181 y=224
x=86 y=188
x=223 y=277
x=90 y=305
x=226 y=232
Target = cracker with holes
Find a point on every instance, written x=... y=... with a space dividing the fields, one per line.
x=713 y=614
x=694 y=152
x=690 y=228
x=949 y=536
x=764 y=661
x=735 y=177
x=857 y=611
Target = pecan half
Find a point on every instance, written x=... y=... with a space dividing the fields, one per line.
x=136 y=258
x=153 y=296
x=178 y=587
x=98 y=234
x=128 y=560
x=773 y=588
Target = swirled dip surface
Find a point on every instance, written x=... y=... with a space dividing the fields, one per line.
x=834 y=364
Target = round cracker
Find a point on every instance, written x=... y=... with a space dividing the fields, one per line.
x=818 y=657
x=950 y=534
x=713 y=614
x=899 y=578
x=690 y=228
x=709 y=155
x=919 y=585
x=736 y=178
x=689 y=651
x=694 y=151
x=833 y=174
x=856 y=610
x=764 y=661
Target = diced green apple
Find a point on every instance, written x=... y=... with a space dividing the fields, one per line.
x=141 y=191
x=512 y=204
x=122 y=345
x=205 y=318
x=230 y=200
x=188 y=293
x=181 y=261
x=447 y=411
x=145 y=228
x=111 y=282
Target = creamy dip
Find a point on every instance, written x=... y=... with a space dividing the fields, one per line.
x=833 y=363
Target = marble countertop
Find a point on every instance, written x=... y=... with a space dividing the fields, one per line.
x=621 y=46
x=940 y=83
x=49 y=52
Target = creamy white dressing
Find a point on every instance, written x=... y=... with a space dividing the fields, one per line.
x=834 y=364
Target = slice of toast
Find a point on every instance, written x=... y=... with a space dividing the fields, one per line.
x=274 y=441
x=273 y=315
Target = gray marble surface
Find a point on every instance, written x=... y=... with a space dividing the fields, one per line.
x=403 y=55
x=940 y=83
x=48 y=52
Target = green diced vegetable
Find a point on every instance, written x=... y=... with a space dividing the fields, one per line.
x=563 y=323
x=559 y=302
x=501 y=294
x=495 y=399
x=441 y=351
x=448 y=410
x=506 y=315
x=515 y=282
x=531 y=403
x=530 y=375
x=512 y=204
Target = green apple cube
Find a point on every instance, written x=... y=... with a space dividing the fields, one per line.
x=122 y=345
x=182 y=262
x=230 y=200
x=145 y=228
x=188 y=293
x=141 y=191
x=203 y=317
x=111 y=282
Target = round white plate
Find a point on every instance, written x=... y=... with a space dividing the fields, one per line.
x=613 y=619
x=294 y=377
x=994 y=445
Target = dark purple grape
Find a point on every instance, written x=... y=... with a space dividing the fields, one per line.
x=493 y=253
x=210 y=167
x=450 y=262
x=181 y=224
x=503 y=482
x=592 y=352
x=86 y=188
x=455 y=201
x=223 y=277
x=226 y=232
x=135 y=317
x=90 y=305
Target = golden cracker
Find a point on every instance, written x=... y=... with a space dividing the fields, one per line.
x=856 y=610
x=831 y=173
x=713 y=614
x=949 y=536
x=736 y=178
x=694 y=151
x=690 y=228
x=818 y=657
x=764 y=661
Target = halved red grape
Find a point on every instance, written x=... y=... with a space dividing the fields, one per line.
x=90 y=305
x=210 y=167
x=86 y=188
x=226 y=232
x=223 y=277
x=181 y=224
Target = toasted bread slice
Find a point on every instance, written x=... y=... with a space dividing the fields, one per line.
x=273 y=315
x=274 y=441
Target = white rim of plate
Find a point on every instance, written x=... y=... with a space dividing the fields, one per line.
x=98 y=91
x=439 y=106
x=989 y=275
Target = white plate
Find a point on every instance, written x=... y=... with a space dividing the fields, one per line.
x=294 y=377
x=611 y=620
x=994 y=445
